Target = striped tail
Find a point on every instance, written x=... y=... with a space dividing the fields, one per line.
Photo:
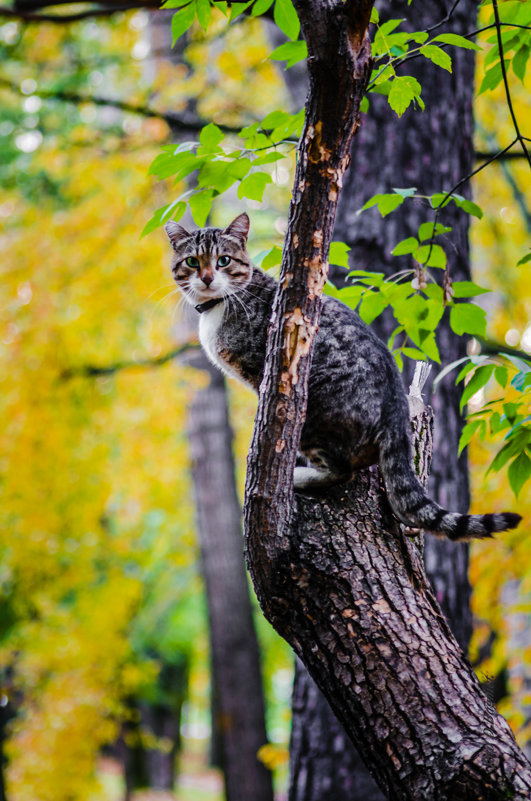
x=413 y=507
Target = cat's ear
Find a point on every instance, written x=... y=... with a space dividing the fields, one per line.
x=176 y=233
x=238 y=227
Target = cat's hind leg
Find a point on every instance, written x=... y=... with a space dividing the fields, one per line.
x=317 y=471
x=308 y=477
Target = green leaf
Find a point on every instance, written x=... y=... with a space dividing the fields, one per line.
x=286 y=18
x=351 y=295
x=413 y=353
x=173 y=210
x=448 y=369
x=405 y=246
x=434 y=291
x=477 y=382
x=386 y=203
x=181 y=21
x=508 y=451
x=408 y=191
x=439 y=57
x=468 y=432
x=210 y=137
x=268 y=158
x=253 y=185
x=467 y=289
x=419 y=36
x=339 y=254
x=519 y=472
x=439 y=200
x=404 y=90
x=291 y=52
x=368 y=277
x=375 y=17
x=372 y=304
x=520 y=60
x=492 y=78
x=466 y=318
x=473 y=362
x=431 y=256
x=455 y=39
x=260 y=7
x=496 y=424
x=200 y=204
x=364 y=105
x=429 y=346
x=238 y=8
x=524 y=260
x=272 y=258
x=501 y=374
x=468 y=206
x=428 y=229
x=204 y=12
x=175 y=3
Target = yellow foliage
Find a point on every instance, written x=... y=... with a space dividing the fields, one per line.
x=84 y=461
x=498 y=241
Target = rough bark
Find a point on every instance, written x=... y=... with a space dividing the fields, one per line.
x=234 y=647
x=324 y=764
x=334 y=575
x=351 y=597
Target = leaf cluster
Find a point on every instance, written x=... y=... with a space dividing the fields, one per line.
x=501 y=416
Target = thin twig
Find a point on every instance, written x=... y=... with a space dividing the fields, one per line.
x=466 y=178
x=447 y=18
x=506 y=82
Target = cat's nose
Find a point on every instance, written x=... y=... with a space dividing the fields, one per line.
x=207 y=279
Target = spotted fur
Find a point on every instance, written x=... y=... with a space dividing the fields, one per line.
x=357 y=409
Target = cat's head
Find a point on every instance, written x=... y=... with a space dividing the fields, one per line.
x=210 y=262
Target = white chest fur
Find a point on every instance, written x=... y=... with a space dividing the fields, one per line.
x=209 y=324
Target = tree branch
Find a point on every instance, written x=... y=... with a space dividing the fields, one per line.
x=173 y=120
x=94 y=371
x=30 y=16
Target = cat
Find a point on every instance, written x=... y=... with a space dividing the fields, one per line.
x=357 y=412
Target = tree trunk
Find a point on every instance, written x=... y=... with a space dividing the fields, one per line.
x=350 y=595
x=324 y=764
x=336 y=577
x=234 y=647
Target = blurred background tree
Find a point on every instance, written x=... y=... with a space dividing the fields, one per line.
x=103 y=604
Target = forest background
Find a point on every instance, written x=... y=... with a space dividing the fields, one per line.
x=100 y=581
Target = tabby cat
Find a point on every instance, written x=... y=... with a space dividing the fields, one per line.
x=357 y=407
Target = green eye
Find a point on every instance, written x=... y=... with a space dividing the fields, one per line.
x=192 y=261
x=223 y=261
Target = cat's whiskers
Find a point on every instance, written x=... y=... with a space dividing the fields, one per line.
x=168 y=295
x=232 y=294
x=181 y=303
x=244 y=290
x=164 y=286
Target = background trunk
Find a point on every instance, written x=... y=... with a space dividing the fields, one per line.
x=430 y=150
x=234 y=647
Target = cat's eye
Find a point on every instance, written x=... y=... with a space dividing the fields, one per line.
x=223 y=261
x=192 y=261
